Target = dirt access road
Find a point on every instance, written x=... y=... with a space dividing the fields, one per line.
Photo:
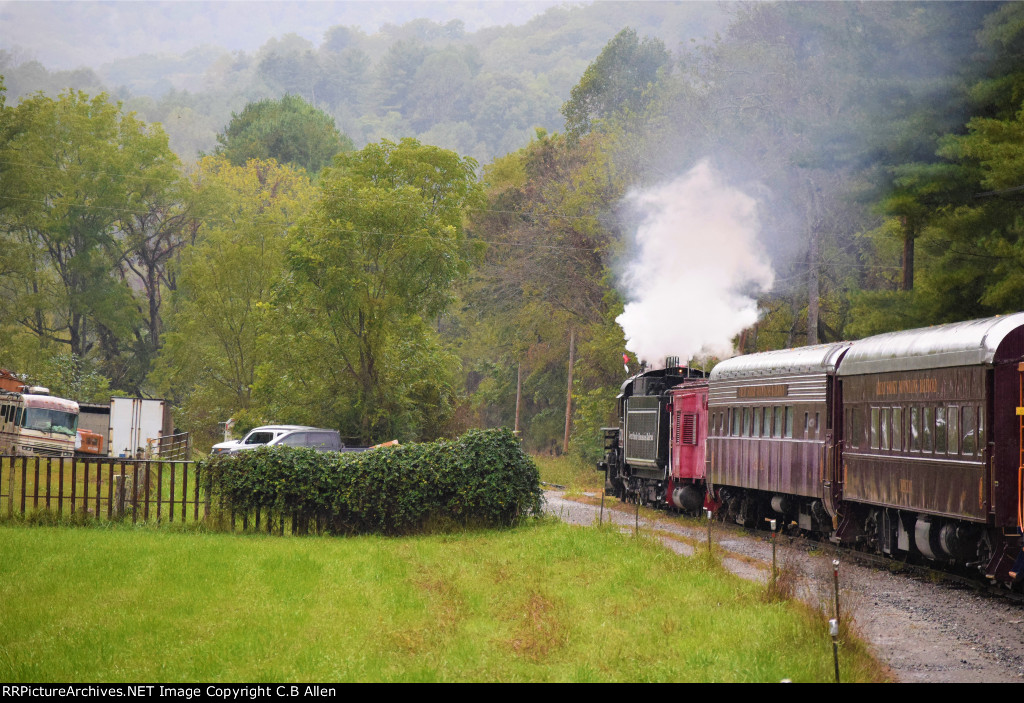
x=925 y=632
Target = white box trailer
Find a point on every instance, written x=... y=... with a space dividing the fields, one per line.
x=135 y=421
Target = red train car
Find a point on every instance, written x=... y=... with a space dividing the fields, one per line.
x=688 y=412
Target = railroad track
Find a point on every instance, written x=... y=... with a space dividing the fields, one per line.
x=906 y=567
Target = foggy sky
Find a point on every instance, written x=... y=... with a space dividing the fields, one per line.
x=67 y=35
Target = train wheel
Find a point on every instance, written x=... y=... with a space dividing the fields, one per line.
x=984 y=553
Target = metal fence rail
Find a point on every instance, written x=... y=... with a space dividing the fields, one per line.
x=105 y=488
x=141 y=490
x=175 y=447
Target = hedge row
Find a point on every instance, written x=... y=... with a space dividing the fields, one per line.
x=480 y=479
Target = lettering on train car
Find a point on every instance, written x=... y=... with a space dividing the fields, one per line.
x=907 y=385
x=772 y=391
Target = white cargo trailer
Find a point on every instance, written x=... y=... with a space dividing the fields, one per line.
x=135 y=421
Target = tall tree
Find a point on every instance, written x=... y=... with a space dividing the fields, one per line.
x=217 y=334
x=547 y=270
x=952 y=215
x=289 y=130
x=619 y=80
x=374 y=262
x=76 y=167
x=161 y=220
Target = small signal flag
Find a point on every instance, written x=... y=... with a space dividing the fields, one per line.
x=625 y=362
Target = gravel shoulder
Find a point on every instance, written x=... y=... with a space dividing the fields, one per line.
x=924 y=631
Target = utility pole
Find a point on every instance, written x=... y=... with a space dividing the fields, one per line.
x=519 y=393
x=568 y=393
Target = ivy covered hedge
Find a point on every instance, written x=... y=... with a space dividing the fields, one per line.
x=481 y=479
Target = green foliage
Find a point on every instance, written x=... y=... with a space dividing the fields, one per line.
x=618 y=81
x=481 y=479
x=219 y=331
x=958 y=208
x=885 y=151
x=289 y=130
x=81 y=177
x=373 y=262
x=547 y=269
x=594 y=409
x=378 y=85
x=67 y=376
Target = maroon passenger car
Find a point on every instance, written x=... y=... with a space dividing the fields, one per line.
x=932 y=457
x=772 y=439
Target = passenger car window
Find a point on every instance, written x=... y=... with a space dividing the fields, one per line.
x=322 y=440
x=953 y=433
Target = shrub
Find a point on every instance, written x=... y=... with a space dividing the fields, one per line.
x=480 y=479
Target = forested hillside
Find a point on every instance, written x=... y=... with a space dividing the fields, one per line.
x=479 y=93
x=498 y=205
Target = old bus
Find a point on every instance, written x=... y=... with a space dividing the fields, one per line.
x=35 y=423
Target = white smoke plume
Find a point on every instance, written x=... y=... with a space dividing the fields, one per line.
x=696 y=265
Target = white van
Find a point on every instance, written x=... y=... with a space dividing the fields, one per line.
x=283 y=435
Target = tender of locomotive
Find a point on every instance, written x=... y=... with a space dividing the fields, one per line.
x=656 y=454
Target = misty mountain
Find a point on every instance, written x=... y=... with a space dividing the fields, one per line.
x=478 y=78
x=69 y=35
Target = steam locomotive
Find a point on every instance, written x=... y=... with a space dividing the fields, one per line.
x=907 y=443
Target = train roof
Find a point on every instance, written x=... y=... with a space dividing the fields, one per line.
x=971 y=343
x=820 y=358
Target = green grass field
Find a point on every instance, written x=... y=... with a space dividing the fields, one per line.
x=545 y=602
x=570 y=471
